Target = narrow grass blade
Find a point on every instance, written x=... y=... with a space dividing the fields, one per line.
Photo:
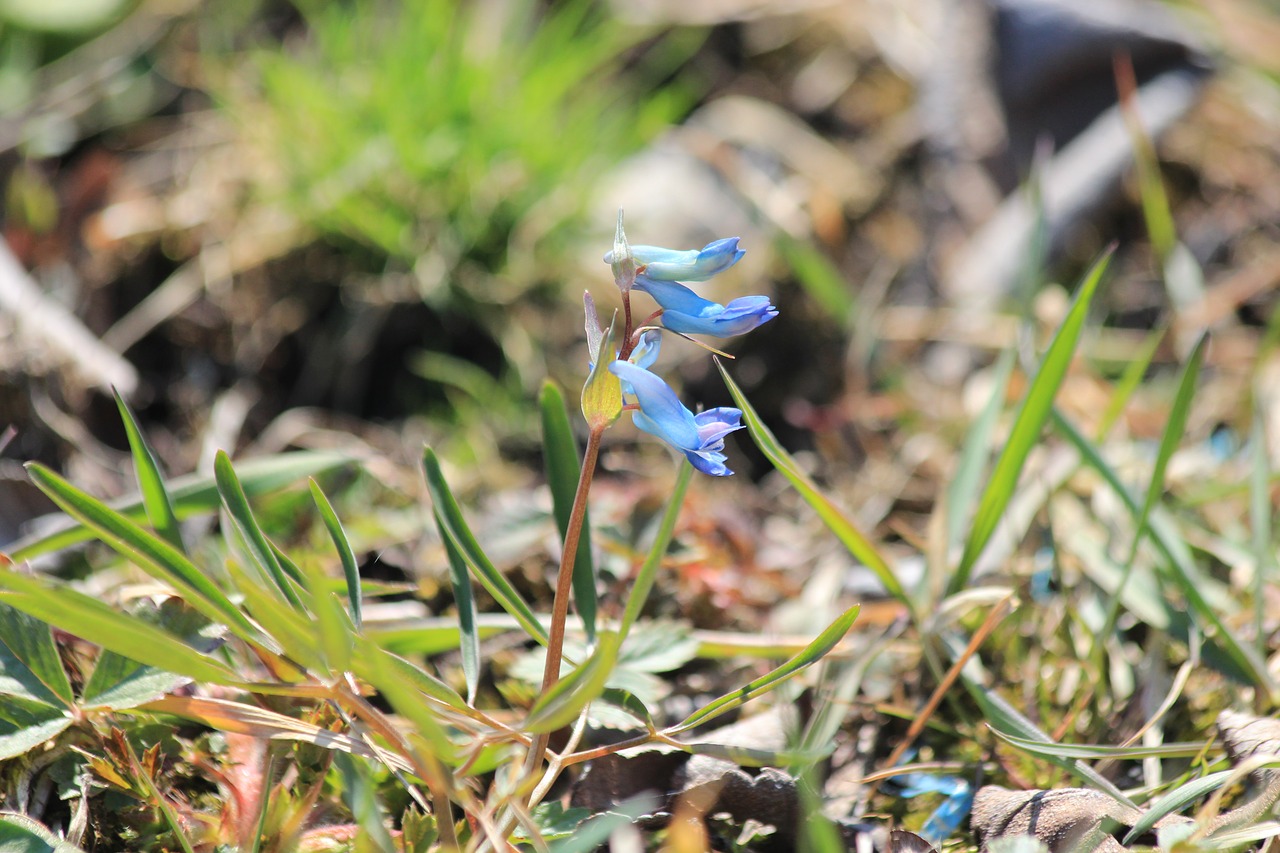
x=824 y=283
x=963 y=489
x=563 y=467
x=289 y=626
x=1027 y=426
x=1004 y=718
x=101 y=625
x=835 y=519
x=560 y=705
x=30 y=666
x=661 y=541
x=382 y=672
x=745 y=756
x=468 y=636
x=237 y=506
x=1173 y=432
x=1245 y=662
x=1175 y=426
x=333 y=630
x=155 y=497
x=811 y=654
x=368 y=653
x=1128 y=382
x=350 y=569
x=1176 y=800
x=455 y=527
x=191 y=495
x=145 y=550
x=1260 y=508
x=360 y=796
x=1091 y=752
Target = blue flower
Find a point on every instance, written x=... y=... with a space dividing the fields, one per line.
x=699 y=437
x=693 y=265
x=688 y=313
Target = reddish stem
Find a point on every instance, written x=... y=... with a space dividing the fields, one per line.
x=564 y=582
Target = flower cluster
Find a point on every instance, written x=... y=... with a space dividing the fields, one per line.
x=654 y=406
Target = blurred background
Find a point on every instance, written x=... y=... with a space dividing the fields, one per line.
x=368 y=224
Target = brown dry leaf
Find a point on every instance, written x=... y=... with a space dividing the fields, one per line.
x=901 y=841
x=1065 y=819
x=261 y=723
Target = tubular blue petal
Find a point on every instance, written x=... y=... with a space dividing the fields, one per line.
x=688 y=313
x=646 y=352
x=699 y=437
x=691 y=265
x=661 y=412
x=674 y=296
x=715 y=424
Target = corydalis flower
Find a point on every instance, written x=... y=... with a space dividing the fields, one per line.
x=688 y=313
x=699 y=437
x=693 y=265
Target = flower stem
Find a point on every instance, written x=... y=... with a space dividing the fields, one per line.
x=627 y=328
x=564 y=582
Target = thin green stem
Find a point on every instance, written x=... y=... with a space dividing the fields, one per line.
x=564 y=584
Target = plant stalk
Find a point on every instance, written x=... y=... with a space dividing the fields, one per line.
x=564 y=583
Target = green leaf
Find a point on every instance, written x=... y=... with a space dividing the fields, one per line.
x=745 y=756
x=291 y=628
x=1246 y=663
x=24 y=725
x=1128 y=382
x=658 y=645
x=155 y=497
x=119 y=682
x=811 y=654
x=237 y=506
x=824 y=283
x=1005 y=719
x=662 y=540
x=30 y=666
x=591 y=834
x=157 y=799
x=98 y=623
x=559 y=706
x=370 y=660
x=963 y=489
x=360 y=796
x=563 y=467
x=1174 y=429
x=1260 y=508
x=1090 y=752
x=384 y=673
x=835 y=519
x=333 y=630
x=145 y=550
x=554 y=821
x=1176 y=800
x=456 y=529
x=1175 y=426
x=192 y=495
x=350 y=569
x=1028 y=425
x=468 y=636
x=602 y=392
x=21 y=834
